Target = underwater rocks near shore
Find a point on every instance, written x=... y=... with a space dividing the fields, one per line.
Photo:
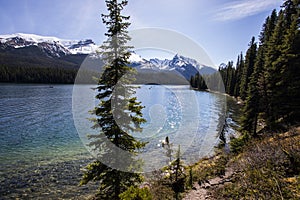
x=52 y=181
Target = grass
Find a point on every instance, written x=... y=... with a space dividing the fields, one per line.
x=207 y=168
x=200 y=172
x=267 y=168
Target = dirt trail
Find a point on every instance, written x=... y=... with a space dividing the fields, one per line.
x=200 y=192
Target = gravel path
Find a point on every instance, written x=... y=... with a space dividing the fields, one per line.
x=200 y=192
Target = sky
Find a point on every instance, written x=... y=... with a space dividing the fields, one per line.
x=223 y=28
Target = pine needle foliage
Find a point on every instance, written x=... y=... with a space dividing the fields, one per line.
x=117 y=114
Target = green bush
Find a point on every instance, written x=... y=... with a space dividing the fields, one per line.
x=266 y=169
x=237 y=144
x=136 y=193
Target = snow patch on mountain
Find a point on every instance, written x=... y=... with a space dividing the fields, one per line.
x=56 y=47
x=52 y=45
x=134 y=58
x=184 y=65
x=31 y=38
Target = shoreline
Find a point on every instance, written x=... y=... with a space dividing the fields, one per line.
x=46 y=179
x=55 y=181
x=252 y=173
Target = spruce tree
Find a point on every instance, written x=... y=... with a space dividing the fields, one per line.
x=272 y=69
x=291 y=9
x=273 y=89
x=287 y=95
x=228 y=77
x=254 y=104
x=268 y=28
x=118 y=112
x=202 y=85
x=238 y=74
x=197 y=80
x=231 y=78
x=265 y=37
x=192 y=81
x=251 y=107
x=248 y=68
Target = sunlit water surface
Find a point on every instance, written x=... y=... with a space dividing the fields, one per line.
x=37 y=126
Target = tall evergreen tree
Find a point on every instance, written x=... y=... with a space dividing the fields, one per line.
x=228 y=77
x=198 y=82
x=117 y=113
x=273 y=87
x=276 y=93
x=265 y=37
x=287 y=94
x=248 y=68
x=272 y=75
x=254 y=105
x=251 y=108
x=238 y=74
x=291 y=9
x=192 y=82
x=268 y=28
x=231 y=79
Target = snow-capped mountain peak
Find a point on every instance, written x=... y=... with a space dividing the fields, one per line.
x=58 y=48
x=135 y=58
x=177 y=61
x=180 y=60
x=53 y=46
x=30 y=38
x=185 y=66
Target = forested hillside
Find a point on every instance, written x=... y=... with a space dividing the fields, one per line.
x=31 y=65
x=267 y=79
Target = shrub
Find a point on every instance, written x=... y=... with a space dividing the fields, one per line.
x=266 y=169
x=136 y=193
x=237 y=144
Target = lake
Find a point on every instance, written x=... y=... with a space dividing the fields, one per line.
x=43 y=136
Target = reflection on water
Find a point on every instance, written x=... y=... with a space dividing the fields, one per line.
x=37 y=127
x=189 y=118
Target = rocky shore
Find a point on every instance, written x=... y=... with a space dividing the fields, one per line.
x=51 y=181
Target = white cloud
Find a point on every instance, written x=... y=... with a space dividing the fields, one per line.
x=244 y=8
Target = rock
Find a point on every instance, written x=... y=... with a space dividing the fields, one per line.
x=51 y=181
x=200 y=182
x=227 y=183
x=207 y=186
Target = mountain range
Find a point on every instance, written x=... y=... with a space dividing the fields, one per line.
x=29 y=50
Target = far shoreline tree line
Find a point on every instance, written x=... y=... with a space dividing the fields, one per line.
x=266 y=80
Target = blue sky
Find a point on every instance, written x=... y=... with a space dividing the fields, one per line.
x=223 y=28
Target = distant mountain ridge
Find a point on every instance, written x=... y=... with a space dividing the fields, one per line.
x=52 y=46
x=31 y=50
x=183 y=65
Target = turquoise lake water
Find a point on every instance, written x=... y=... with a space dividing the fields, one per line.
x=37 y=123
